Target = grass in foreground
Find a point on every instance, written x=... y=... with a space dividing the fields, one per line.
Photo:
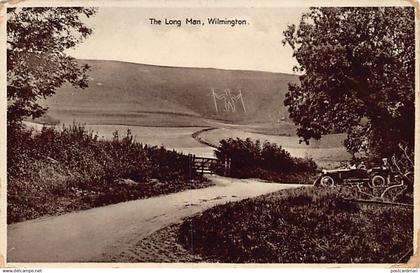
x=303 y=225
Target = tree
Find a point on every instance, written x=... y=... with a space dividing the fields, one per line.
x=37 y=64
x=357 y=77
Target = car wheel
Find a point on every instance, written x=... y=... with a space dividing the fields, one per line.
x=327 y=181
x=377 y=181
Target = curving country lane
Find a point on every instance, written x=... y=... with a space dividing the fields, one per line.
x=98 y=233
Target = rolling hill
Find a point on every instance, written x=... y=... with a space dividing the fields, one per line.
x=143 y=97
x=138 y=94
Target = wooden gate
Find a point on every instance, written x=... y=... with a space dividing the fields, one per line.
x=207 y=165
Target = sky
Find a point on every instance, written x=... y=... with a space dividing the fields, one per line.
x=126 y=34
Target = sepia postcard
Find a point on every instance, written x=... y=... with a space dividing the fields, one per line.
x=228 y=134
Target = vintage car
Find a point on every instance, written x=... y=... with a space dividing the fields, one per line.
x=375 y=177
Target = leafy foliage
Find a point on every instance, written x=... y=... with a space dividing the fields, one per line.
x=357 y=76
x=267 y=161
x=36 y=60
x=55 y=171
x=303 y=225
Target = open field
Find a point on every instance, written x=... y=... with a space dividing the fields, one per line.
x=177 y=138
x=131 y=118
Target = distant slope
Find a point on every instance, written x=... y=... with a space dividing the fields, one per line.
x=123 y=93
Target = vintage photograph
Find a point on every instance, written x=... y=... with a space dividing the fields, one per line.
x=210 y=134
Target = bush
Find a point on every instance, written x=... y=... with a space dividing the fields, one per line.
x=167 y=165
x=303 y=225
x=55 y=171
x=266 y=161
x=19 y=146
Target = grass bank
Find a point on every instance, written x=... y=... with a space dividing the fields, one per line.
x=61 y=170
x=303 y=225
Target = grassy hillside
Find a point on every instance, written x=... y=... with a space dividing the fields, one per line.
x=137 y=94
x=302 y=225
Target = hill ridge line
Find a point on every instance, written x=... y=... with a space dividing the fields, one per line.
x=189 y=67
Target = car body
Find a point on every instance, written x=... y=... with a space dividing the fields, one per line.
x=375 y=177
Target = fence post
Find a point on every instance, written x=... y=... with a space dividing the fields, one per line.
x=225 y=166
x=193 y=164
x=189 y=166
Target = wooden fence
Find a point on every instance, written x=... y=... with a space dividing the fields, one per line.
x=207 y=165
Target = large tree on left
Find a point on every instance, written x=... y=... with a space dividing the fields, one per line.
x=37 y=63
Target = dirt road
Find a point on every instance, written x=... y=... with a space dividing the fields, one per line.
x=95 y=234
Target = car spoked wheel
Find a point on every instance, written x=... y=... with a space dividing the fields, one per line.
x=327 y=181
x=377 y=181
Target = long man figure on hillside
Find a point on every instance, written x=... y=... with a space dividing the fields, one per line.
x=229 y=100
